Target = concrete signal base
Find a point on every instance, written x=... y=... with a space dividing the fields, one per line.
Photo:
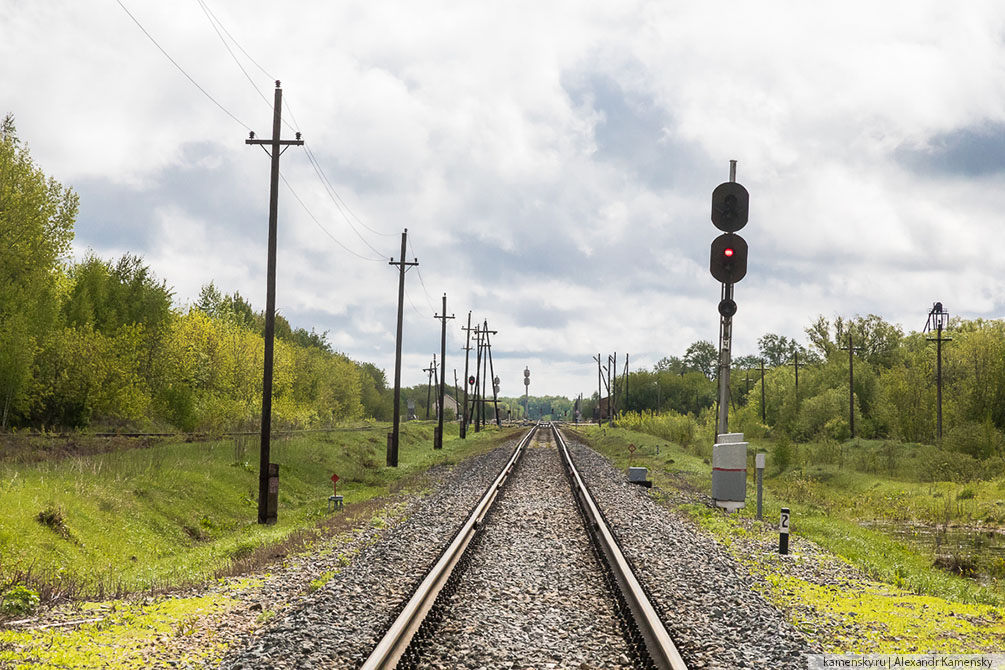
x=729 y=471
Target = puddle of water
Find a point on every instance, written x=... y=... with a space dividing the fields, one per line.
x=973 y=551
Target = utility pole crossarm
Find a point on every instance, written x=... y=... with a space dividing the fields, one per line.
x=282 y=143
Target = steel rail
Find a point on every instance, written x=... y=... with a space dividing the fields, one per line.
x=395 y=642
x=661 y=648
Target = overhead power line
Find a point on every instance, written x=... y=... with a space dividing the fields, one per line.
x=330 y=191
x=180 y=68
x=422 y=283
x=340 y=204
x=323 y=229
x=217 y=26
x=236 y=43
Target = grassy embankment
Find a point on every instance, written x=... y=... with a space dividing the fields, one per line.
x=912 y=605
x=174 y=513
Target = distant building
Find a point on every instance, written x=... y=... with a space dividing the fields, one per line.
x=604 y=411
x=451 y=404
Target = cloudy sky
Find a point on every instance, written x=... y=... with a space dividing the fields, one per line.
x=552 y=161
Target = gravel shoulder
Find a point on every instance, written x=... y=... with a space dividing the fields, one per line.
x=709 y=601
x=338 y=624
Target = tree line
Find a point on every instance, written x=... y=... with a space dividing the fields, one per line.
x=894 y=389
x=98 y=342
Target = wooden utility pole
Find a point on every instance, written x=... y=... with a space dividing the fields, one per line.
x=265 y=514
x=476 y=401
x=626 y=383
x=764 y=413
x=429 y=384
x=600 y=389
x=614 y=387
x=938 y=319
x=438 y=437
x=457 y=395
x=610 y=394
x=796 y=364
x=851 y=383
x=492 y=373
x=465 y=416
x=392 y=439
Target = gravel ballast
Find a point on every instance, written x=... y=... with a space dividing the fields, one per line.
x=532 y=594
x=711 y=610
x=338 y=625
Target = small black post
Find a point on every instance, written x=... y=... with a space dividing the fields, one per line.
x=783 y=532
x=265 y=515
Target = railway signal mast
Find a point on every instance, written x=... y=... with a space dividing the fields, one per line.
x=728 y=264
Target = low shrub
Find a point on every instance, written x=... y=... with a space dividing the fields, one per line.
x=19 y=600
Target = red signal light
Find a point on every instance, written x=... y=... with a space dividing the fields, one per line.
x=727 y=252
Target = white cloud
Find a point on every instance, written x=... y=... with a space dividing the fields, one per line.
x=552 y=162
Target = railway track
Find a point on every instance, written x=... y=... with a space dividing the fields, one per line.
x=529 y=578
x=528 y=591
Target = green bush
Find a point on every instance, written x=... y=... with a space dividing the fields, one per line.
x=980 y=440
x=679 y=428
x=936 y=465
x=19 y=600
x=783 y=454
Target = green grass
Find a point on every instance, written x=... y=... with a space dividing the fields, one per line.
x=912 y=607
x=178 y=513
x=124 y=638
x=827 y=504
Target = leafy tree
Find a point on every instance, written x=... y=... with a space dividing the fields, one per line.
x=747 y=362
x=310 y=339
x=777 y=349
x=106 y=297
x=210 y=301
x=375 y=396
x=36 y=226
x=672 y=364
x=703 y=357
x=877 y=339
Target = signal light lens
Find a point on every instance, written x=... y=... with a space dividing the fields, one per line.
x=727 y=252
